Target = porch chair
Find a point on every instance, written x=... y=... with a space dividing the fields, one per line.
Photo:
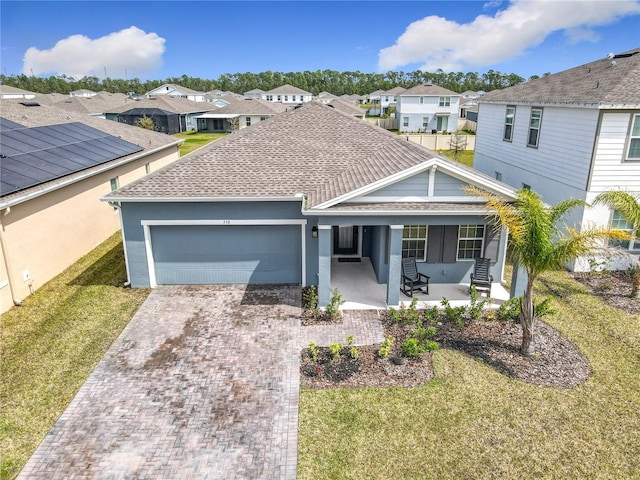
x=412 y=280
x=480 y=278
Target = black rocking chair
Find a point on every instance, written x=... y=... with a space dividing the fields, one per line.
x=480 y=278
x=412 y=280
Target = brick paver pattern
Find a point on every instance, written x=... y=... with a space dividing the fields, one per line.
x=202 y=383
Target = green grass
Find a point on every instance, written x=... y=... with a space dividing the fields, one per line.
x=194 y=140
x=471 y=422
x=464 y=156
x=53 y=342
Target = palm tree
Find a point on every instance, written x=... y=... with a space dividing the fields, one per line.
x=538 y=244
x=628 y=205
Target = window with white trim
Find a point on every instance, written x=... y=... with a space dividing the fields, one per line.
x=425 y=122
x=247 y=121
x=147 y=168
x=405 y=121
x=534 y=127
x=633 y=151
x=421 y=101
x=113 y=183
x=619 y=221
x=414 y=242
x=508 y=124
x=269 y=98
x=442 y=124
x=444 y=101
x=279 y=98
x=286 y=98
x=470 y=240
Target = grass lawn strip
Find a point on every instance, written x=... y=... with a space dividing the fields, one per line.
x=53 y=342
x=473 y=422
x=194 y=140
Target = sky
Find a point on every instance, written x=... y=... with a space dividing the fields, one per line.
x=162 y=39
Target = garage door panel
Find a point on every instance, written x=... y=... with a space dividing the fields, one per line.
x=227 y=254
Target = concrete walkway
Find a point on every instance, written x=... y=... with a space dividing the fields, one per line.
x=202 y=383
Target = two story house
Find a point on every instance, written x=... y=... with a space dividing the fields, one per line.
x=573 y=134
x=427 y=108
x=172 y=90
x=287 y=94
x=389 y=98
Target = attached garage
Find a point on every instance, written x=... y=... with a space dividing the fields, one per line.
x=225 y=252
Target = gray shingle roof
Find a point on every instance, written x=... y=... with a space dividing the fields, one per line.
x=253 y=106
x=164 y=102
x=288 y=89
x=315 y=150
x=428 y=89
x=7 y=90
x=180 y=88
x=605 y=82
x=347 y=107
x=45 y=115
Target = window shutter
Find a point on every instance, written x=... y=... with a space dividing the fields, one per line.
x=450 y=244
x=491 y=243
x=442 y=244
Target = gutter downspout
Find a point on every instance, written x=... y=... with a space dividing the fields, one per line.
x=117 y=206
x=5 y=255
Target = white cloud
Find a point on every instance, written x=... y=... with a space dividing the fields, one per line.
x=78 y=56
x=440 y=43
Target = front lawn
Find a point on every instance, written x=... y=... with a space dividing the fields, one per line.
x=53 y=342
x=194 y=140
x=464 y=156
x=472 y=422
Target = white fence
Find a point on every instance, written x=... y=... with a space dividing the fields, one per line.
x=442 y=142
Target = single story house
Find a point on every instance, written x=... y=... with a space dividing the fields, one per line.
x=55 y=166
x=7 y=92
x=237 y=115
x=279 y=201
x=169 y=114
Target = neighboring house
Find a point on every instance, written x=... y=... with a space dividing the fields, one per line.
x=255 y=93
x=389 y=99
x=172 y=90
x=84 y=93
x=427 y=108
x=278 y=202
x=573 y=134
x=7 y=92
x=325 y=97
x=170 y=114
x=55 y=166
x=347 y=107
x=354 y=98
x=287 y=94
x=222 y=101
x=373 y=99
x=95 y=105
x=237 y=115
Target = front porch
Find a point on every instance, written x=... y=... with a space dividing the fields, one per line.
x=356 y=282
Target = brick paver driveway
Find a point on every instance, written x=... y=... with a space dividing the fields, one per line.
x=203 y=383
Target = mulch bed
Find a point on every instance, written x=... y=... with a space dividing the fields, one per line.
x=614 y=288
x=557 y=362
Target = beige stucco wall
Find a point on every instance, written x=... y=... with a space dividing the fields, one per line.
x=47 y=234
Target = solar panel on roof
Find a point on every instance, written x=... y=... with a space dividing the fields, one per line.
x=33 y=156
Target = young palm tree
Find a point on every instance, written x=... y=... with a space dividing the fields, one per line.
x=629 y=205
x=538 y=244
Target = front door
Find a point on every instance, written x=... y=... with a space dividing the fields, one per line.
x=345 y=240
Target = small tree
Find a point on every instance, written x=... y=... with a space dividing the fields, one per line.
x=538 y=244
x=146 y=122
x=628 y=205
x=457 y=144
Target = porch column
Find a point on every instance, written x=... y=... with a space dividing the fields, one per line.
x=324 y=265
x=395 y=257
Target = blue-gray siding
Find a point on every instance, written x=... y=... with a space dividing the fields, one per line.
x=246 y=254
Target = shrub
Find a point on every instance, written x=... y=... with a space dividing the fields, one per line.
x=335 y=349
x=310 y=300
x=412 y=348
x=353 y=352
x=350 y=340
x=313 y=351
x=509 y=310
x=453 y=314
x=405 y=315
x=385 y=348
x=333 y=309
x=476 y=308
x=544 y=308
x=432 y=314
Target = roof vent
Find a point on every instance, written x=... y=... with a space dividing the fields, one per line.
x=610 y=56
x=30 y=104
x=613 y=63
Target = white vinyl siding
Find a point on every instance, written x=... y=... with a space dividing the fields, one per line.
x=610 y=170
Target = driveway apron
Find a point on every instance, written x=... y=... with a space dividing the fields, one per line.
x=202 y=383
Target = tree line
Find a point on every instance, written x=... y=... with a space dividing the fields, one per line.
x=337 y=83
